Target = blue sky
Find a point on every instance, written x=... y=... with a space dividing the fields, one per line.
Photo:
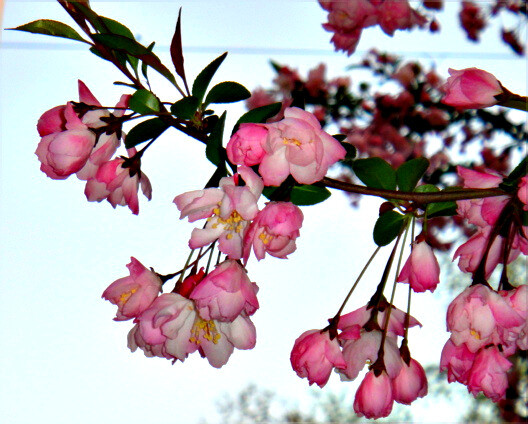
x=63 y=358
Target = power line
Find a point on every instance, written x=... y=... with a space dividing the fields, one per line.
x=270 y=51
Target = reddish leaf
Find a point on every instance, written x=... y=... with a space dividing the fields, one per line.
x=176 y=52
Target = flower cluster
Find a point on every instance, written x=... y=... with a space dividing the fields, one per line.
x=347 y=19
x=295 y=146
x=486 y=327
x=81 y=138
x=499 y=238
x=392 y=376
x=204 y=313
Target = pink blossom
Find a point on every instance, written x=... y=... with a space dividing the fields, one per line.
x=471 y=88
x=517 y=336
x=457 y=361
x=471 y=19
x=357 y=352
x=410 y=384
x=64 y=152
x=225 y=293
x=374 y=396
x=421 y=270
x=172 y=328
x=135 y=293
x=274 y=230
x=522 y=193
x=362 y=315
x=314 y=356
x=228 y=210
x=398 y=14
x=52 y=121
x=316 y=82
x=488 y=374
x=475 y=316
x=298 y=146
x=118 y=183
x=245 y=146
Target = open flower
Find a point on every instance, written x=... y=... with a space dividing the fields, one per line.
x=274 y=231
x=228 y=210
x=298 y=146
x=135 y=293
x=314 y=356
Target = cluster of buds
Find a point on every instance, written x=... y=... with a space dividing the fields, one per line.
x=368 y=335
x=81 y=138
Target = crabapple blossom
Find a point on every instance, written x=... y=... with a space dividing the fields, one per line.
x=410 y=384
x=245 y=146
x=471 y=88
x=314 y=356
x=518 y=299
x=374 y=398
x=225 y=293
x=365 y=350
x=522 y=192
x=118 y=181
x=457 y=361
x=135 y=293
x=488 y=374
x=172 y=328
x=65 y=151
x=398 y=14
x=228 y=210
x=421 y=270
x=273 y=231
x=298 y=146
x=475 y=316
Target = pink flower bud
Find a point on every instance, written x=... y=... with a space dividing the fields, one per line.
x=421 y=270
x=488 y=374
x=314 y=356
x=225 y=293
x=471 y=88
x=135 y=293
x=410 y=384
x=274 y=230
x=245 y=146
x=374 y=397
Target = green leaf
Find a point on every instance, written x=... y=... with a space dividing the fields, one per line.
x=185 y=108
x=410 y=172
x=214 y=150
x=144 y=66
x=144 y=102
x=146 y=130
x=126 y=84
x=341 y=138
x=387 y=227
x=115 y=27
x=259 y=115
x=118 y=28
x=524 y=218
x=87 y=13
x=50 y=27
x=351 y=151
x=204 y=77
x=375 y=173
x=441 y=209
x=219 y=173
x=305 y=195
x=426 y=188
x=227 y=92
x=133 y=48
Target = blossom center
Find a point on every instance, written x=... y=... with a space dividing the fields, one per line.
x=292 y=141
x=126 y=295
x=475 y=334
x=265 y=237
x=205 y=329
x=233 y=224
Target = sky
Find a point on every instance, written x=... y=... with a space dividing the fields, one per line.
x=63 y=359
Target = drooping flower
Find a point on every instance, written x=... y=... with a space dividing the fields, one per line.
x=471 y=88
x=118 y=181
x=298 y=146
x=314 y=356
x=135 y=293
x=421 y=270
x=457 y=361
x=225 y=293
x=374 y=398
x=410 y=384
x=273 y=231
